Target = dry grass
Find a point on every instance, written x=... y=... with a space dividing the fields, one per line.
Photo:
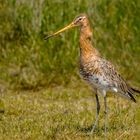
x=65 y=113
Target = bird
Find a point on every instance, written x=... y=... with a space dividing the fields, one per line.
x=99 y=73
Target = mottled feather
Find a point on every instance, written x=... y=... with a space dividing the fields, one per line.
x=101 y=74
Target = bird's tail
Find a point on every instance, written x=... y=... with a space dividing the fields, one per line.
x=132 y=91
x=136 y=92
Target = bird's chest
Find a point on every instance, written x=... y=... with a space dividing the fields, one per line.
x=93 y=76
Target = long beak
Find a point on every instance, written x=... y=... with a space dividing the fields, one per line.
x=60 y=31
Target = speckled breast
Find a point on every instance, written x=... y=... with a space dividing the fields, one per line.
x=93 y=78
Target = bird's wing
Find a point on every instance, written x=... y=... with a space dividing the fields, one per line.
x=114 y=79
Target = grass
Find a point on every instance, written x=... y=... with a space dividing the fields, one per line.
x=41 y=94
x=64 y=113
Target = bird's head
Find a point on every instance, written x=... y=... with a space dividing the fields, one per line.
x=80 y=20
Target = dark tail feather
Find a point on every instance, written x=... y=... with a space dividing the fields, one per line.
x=131 y=96
x=135 y=90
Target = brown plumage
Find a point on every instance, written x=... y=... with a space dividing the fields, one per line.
x=98 y=72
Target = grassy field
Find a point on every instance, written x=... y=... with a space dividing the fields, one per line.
x=41 y=94
x=65 y=113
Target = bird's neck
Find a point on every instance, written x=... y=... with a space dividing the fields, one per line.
x=86 y=48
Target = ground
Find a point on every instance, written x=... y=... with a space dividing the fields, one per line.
x=64 y=113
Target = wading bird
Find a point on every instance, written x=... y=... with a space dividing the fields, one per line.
x=97 y=71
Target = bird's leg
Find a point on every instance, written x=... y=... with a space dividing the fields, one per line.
x=97 y=113
x=105 y=119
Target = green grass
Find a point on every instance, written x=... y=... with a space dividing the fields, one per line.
x=41 y=93
x=65 y=113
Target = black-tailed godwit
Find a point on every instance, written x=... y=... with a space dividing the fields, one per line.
x=97 y=71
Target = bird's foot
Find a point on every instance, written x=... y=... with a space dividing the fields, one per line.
x=93 y=129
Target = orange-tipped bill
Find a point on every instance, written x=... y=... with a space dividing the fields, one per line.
x=60 y=31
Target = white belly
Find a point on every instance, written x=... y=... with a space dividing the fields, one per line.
x=101 y=83
x=98 y=82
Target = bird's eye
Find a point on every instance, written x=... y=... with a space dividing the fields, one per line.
x=80 y=19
